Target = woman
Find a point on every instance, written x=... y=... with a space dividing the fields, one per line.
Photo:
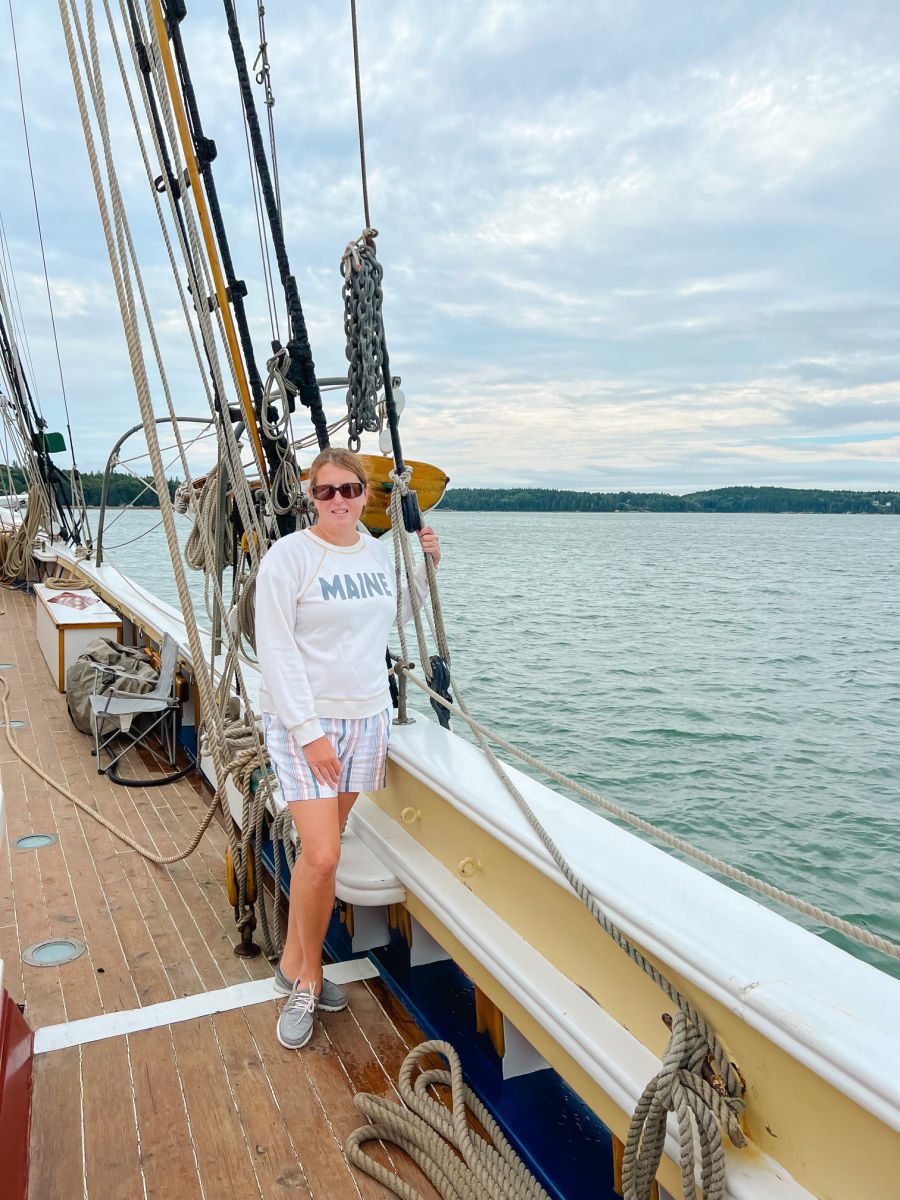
x=325 y=605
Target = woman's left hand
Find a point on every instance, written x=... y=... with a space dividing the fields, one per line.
x=428 y=540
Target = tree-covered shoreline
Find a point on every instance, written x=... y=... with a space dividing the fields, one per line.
x=126 y=489
x=719 y=500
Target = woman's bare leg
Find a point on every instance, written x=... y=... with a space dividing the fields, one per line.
x=318 y=824
x=346 y=800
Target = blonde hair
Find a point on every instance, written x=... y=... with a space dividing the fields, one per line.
x=338 y=458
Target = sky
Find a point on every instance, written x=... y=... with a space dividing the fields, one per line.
x=642 y=246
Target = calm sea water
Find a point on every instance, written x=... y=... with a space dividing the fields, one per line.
x=735 y=679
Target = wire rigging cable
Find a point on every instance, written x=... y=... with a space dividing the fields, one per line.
x=264 y=78
x=359 y=116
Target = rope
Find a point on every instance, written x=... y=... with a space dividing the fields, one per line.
x=286 y=479
x=67 y=583
x=117 y=241
x=461 y=1164
x=199 y=549
x=838 y=924
x=151 y=855
x=18 y=561
x=244 y=751
x=402 y=550
x=361 y=292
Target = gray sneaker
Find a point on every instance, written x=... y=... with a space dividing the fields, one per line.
x=283 y=985
x=295 y=1025
x=331 y=999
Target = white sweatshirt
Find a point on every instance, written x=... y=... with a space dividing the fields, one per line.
x=323 y=616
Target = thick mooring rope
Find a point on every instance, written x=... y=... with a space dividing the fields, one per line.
x=460 y=1163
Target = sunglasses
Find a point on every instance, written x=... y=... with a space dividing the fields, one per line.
x=326 y=491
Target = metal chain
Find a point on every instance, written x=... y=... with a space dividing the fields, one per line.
x=362 y=296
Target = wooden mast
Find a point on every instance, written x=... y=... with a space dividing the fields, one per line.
x=162 y=37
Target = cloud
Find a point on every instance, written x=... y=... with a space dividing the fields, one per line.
x=623 y=245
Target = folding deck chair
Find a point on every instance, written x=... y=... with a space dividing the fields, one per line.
x=122 y=708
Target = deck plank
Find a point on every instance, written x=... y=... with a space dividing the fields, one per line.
x=81 y=844
x=167 y=1150
x=276 y=1159
x=333 y=1084
x=368 y=1073
x=56 y=1166
x=10 y=947
x=113 y=1165
x=306 y=1117
x=41 y=989
x=223 y=1153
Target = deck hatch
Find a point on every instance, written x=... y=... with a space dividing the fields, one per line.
x=35 y=841
x=14 y=725
x=53 y=952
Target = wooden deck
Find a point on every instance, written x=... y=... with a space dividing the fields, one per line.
x=208 y=1107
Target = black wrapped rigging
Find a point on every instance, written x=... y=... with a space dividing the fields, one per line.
x=301 y=372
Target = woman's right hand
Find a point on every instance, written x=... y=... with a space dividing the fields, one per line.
x=323 y=762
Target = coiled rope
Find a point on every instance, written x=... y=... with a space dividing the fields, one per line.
x=460 y=1163
x=205 y=530
x=19 y=560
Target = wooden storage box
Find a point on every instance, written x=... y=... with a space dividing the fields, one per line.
x=66 y=622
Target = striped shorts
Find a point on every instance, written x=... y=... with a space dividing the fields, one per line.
x=360 y=744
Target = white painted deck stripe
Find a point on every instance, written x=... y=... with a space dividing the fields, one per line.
x=170 y=1012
